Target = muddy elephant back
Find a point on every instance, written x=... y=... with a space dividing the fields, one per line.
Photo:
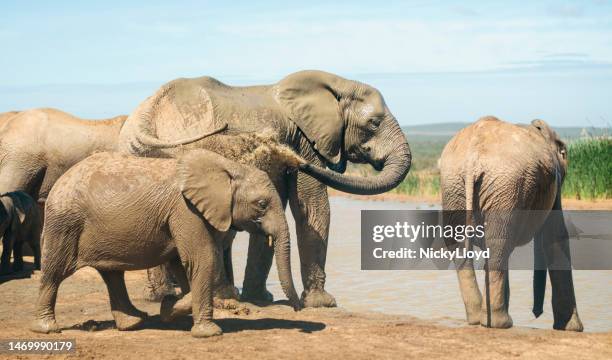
x=179 y=109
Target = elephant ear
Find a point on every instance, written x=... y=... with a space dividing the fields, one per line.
x=205 y=182
x=310 y=99
x=543 y=128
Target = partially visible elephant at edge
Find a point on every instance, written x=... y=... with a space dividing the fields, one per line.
x=20 y=223
x=117 y=212
x=37 y=146
x=509 y=178
x=326 y=119
x=5 y=116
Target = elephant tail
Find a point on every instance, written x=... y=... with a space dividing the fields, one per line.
x=539 y=275
x=470 y=182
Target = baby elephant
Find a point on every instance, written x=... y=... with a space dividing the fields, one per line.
x=116 y=213
x=20 y=222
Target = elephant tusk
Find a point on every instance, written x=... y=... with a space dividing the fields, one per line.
x=270 y=240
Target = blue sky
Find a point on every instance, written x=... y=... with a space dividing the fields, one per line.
x=434 y=61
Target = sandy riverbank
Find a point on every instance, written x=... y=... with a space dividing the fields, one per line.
x=275 y=331
x=383 y=314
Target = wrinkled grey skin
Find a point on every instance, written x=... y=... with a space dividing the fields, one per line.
x=37 y=146
x=20 y=222
x=260 y=150
x=493 y=169
x=326 y=119
x=170 y=211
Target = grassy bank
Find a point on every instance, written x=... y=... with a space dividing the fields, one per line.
x=590 y=169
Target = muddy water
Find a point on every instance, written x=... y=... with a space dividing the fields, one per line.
x=432 y=294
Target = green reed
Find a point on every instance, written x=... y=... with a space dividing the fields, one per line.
x=589 y=174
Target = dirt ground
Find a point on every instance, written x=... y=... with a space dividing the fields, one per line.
x=274 y=331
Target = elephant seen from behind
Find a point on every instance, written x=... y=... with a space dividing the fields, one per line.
x=509 y=178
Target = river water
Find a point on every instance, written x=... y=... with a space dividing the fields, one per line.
x=426 y=294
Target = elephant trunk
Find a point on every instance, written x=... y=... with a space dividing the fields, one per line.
x=539 y=275
x=395 y=168
x=283 y=263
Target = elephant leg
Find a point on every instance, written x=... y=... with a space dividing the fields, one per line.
x=259 y=262
x=176 y=269
x=158 y=284
x=494 y=312
x=470 y=293
x=50 y=281
x=202 y=268
x=224 y=288
x=558 y=259
x=35 y=245
x=171 y=305
x=126 y=316
x=35 y=235
x=18 y=256
x=565 y=312
x=468 y=286
x=7 y=249
x=310 y=207
x=227 y=265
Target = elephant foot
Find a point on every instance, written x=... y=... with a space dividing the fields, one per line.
x=473 y=315
x=574 y=324
x=205 y=329
x=473 y=319
x=131 y=321
x=499 y=320
x=318 y=298
x=45 y=326
x=17 y=266
x=173 y=307
x=256 y=296
x=227 y=291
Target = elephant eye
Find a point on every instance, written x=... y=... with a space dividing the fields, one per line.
x=375 y=122
x=262 y=204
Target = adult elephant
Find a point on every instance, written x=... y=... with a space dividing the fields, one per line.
x=37 y=146
x=325 y=118
x=509 y=178
x=5 y=116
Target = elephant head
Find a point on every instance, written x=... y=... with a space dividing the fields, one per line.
x=11 y=212
x=230 y=195
x=346 y=121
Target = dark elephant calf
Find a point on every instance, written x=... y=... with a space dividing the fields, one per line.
x=20 y=221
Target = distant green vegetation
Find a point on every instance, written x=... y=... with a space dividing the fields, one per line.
x=424 y=176
x=590 y=169
x=424 y=183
